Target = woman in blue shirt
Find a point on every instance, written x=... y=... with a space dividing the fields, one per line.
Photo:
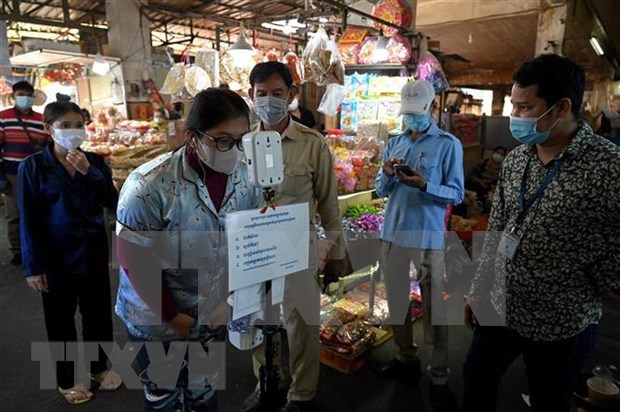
x=62 y=193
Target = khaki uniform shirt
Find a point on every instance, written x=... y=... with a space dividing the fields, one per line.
x=309 y=177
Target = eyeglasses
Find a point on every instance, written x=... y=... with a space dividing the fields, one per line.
x=224 y=144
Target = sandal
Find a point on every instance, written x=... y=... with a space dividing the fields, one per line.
x=76 y=395
x=108 y=380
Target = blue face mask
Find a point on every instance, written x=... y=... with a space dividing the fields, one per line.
x=524 y=130
x=417 y=122
x=24 y=102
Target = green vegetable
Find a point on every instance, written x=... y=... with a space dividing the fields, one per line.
x=356 y=211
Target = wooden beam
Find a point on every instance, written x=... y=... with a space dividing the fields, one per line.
x=45 y=22
x=65 y=11
x=37 y=7
x=484 y=78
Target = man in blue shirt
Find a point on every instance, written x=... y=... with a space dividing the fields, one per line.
x=422 y=173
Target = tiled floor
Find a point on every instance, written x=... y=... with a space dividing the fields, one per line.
x=21 y=324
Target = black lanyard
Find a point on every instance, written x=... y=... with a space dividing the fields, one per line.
x=526 y=204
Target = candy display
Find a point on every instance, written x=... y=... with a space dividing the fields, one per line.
x=356 y=161
x=372 y=103
x=126 y=144
x=399 y=49
x=353 y=36
x=367 y=51
x=349 y=53
x=392 y=11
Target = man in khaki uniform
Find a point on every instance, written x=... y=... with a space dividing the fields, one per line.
x=308 y=177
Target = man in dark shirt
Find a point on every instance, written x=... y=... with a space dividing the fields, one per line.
x=301 y=115
x=21 y=134
x=553 y=245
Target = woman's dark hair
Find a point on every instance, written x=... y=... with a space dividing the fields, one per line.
x=214 y=106
x=557 y=78
x=56 y=110
x=263 y=71
x=23 y=86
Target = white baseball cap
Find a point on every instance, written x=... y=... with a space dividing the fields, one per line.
x=416 y=97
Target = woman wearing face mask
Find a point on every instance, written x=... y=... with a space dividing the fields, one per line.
x=300 y=114
x=159 y=122
x=62 y=193
x=486 y=174
x=171 y=214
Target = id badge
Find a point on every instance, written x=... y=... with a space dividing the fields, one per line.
x=508 y=245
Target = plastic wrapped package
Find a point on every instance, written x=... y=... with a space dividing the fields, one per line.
x=209 y=60
x=294 y=65
x=175 y=80
x=334 y=94
x=196 y=79
x=231 y=74
x=272 y=56
x=310 y=55
x=394 y=11
x=349 y=53
x=399 y=49
x=367 y=110
x=321 y=60
x=348 y=115
x=367 y=50
x=429 y=69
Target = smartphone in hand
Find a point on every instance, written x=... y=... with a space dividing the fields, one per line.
x=408 y=171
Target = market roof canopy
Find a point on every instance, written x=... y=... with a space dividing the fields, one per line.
x=503 y=32
x=43 y=58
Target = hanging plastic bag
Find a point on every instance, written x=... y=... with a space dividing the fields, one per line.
x=294 y=65
x=429 y=69
x=196 y=80
x=175 y=80
x=334 y=94
x=316 y=56
x=209 y=60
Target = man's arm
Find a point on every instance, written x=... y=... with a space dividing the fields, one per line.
x=326 y=195
x=452 y=189
x=386 y=179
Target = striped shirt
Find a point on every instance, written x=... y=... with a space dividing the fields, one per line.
x=15 y=144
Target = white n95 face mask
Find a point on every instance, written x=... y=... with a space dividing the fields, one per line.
x=222 y=162
x=69 y=138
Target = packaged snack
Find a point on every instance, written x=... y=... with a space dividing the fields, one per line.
x=348 y=116
x=353 y=36
x=175 y=80
x=399 y=49
x=349 y=53
x=366 y=51
x=294 y=65
x=367 y=110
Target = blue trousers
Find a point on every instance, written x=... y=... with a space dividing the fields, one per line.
x=182 y=397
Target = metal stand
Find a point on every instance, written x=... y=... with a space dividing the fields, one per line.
x=269 y=374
